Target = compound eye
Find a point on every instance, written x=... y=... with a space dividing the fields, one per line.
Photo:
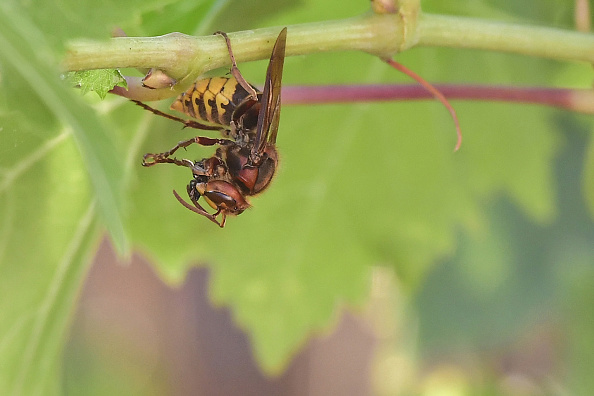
x=220 y=200
x=225 y=197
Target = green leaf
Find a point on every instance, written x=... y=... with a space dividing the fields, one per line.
x=48 y=231
x=48 y=212
x=100 y=81
x=358 y=185
x=18 y=42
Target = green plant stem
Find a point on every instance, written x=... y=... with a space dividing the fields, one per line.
x=179 y=54
x=457 y=32
x=185 y=57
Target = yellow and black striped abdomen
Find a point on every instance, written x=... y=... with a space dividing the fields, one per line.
x=211 y=99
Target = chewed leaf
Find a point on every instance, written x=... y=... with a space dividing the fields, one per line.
x=100 y=81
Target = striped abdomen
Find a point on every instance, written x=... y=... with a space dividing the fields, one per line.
x=212 y=99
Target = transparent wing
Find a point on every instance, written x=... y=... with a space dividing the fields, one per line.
x=269 y=115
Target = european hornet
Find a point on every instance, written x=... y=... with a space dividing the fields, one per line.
x=246 y=159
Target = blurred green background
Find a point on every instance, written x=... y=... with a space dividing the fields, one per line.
x=378 y=262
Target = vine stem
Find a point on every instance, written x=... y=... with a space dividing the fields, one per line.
x=576 y=100
x=186 y=57
x=451 y=31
